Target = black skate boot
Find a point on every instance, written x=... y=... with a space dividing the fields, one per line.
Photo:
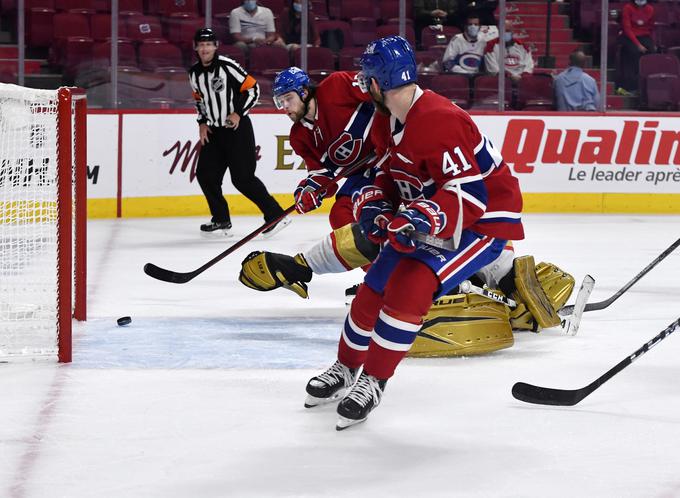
x=216 y=229
x=276 y=228
x=351 y=293
x=330 y=385
x=360 y=400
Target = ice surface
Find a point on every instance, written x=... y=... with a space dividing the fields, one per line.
x=201 y=396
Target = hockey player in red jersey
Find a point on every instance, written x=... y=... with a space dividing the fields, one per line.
x=451 y=183
x=331 y=131
x=334 y=126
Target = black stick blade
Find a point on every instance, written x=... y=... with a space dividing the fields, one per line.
x=167 y=275
x=546 y=395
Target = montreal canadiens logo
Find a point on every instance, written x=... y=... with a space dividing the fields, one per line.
x=410 y=187
x=470 y=61
x=345 y=149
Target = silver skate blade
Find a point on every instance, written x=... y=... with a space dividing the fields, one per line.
x=218 y=234
x=571 y=323
x=277 y=228
x=343 y=423
x=313 y=401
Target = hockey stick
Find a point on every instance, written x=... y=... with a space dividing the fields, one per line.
x=570 y=324
x=467 y=287
x=432 y=240
x=182 y=278
x=566 y=310
x=569 y=397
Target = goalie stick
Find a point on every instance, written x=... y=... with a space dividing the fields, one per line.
x=182 y=278
x=567 y=310
x=569 y=397
x=571 y=323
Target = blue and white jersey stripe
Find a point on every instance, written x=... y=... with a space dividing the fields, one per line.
x=355 y=337
x=393 y=334
x=487 y=156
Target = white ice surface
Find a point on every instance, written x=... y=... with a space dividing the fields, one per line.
x=201 y=396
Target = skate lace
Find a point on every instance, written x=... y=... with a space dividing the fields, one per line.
x=365 y=390
x=336 y=373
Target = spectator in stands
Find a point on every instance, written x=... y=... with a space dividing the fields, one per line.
x=433 y=12
x=252 y=25
x=518 y=59
x=484 y=9
x=576 y=90
x=291 y=26
x=637 y=21
x=465 y=50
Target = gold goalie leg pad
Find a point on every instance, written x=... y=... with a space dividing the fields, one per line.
x=463 y=324
x=541 y=290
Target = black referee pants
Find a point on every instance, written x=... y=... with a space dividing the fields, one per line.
x=233 y=149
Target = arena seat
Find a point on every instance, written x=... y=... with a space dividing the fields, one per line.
x=363 y=30
x=430 y=36
x=393 y=29
x=389 y=9
x=233 y=52
x=319 y=59
x=356 y=8
x=485 y=94
x=452 y=86
x=268 y=60
x=143 y=28
x=159 y=54
x=535 y=92
x=127 y=57
x=348 y=58
x=172 y=7
x=40 y=27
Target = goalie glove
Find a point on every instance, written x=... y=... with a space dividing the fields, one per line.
x=373 y=212
x=423 y=216
x=266 y=271
x=308 y=192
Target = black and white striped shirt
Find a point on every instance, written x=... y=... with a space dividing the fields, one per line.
x=221 y=88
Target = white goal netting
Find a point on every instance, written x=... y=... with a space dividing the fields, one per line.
x=28 y=221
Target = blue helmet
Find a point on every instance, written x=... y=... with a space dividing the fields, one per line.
x=292 y=79
x=390 y=61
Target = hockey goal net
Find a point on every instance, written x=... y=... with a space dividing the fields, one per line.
x=42 y=219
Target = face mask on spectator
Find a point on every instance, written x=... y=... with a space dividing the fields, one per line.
x=250 y=5
x=472 y=30
x=640 y=3
x=297 y=7
x=507 y=37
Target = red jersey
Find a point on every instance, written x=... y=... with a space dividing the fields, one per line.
x=440 y=154
x=637 y=21
x=340 y=133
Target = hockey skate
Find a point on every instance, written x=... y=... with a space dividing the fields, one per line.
x=330 y=385
x=350 y=294
x=216 y=229
x=364 y=396
x=276 y=228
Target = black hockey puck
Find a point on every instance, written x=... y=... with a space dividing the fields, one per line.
x=124 y=320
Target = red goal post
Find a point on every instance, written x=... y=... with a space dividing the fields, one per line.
x=71 y=215
x=43 y=217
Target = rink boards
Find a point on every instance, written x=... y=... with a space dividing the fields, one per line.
x=144 y=163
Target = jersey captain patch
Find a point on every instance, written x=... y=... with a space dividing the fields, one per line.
x=345 y=149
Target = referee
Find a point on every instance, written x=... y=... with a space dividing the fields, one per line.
x=224 y=93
